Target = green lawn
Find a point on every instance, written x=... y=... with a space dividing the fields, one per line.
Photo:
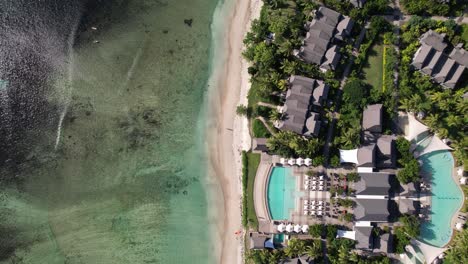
x=253 y=160
x=464 y=208
x=373 y=69
x=464 y=34
x=259 y=130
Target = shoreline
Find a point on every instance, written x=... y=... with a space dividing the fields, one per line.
x=228 y=134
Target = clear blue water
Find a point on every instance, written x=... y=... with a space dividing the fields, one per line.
x=281 y=193
x=446 y=197
x=278 y=238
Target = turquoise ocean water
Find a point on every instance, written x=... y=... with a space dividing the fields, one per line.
x=102 y=158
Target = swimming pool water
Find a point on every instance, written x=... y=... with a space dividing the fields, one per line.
x=281 y=193
x=446 y=197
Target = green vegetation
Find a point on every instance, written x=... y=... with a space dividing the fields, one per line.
x=373 y=69
x=259 y=130
x=464 y=34
x=457 y=252
x=403 y=234
x=250 y=162
x=347 y=203
x=410 y=166
x=316 y=230
x=433 y=7
x=372 y=7
x=290 y=144
x=464 y=208
x=264 y=256
x=352 y=177
x=444 y=109
x=296 y=247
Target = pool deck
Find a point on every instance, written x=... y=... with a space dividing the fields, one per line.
x=260 y=190
x=455 y=219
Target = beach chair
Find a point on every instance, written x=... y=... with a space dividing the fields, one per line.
x=312 y=212
x=314 y=188
x=320 y=188
x=306 y=212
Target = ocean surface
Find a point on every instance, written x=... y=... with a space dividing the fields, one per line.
x=101 y=148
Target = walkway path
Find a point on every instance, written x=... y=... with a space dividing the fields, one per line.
x=260 y=183
x=346 y=72
x=268 y=105
x=266 y=125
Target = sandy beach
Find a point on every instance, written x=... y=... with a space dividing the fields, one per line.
x=227 y=133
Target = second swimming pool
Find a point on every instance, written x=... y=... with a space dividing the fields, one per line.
x=281 y=193
x=446 y=197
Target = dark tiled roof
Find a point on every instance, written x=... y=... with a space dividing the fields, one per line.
x=259 y=144
x=366 y=156
x=376 y=183
x=374 y=210
x=363 y=237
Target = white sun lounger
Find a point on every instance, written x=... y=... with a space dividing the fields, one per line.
x=306 y=202
x=313 y=202
x=320 y=188
x=314 y=188
x=306 y=212
x=312 y=212
x=321 y=177
x=320 y=202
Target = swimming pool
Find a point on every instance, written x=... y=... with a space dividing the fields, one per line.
x=446 y=197
x=281 y=193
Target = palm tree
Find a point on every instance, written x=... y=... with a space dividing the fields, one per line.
x=432 y=121
x=275 y=115
x=314 y=250
x=295 y=247
x=289 y=67
x=283 y=85
x=453 y=120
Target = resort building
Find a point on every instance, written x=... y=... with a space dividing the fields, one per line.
x=303 y=96
x=320 y=45
x=374 y=185
x=372 y=118
x=260 y=241
x=364 y=238
x=431 y=59
x=259 y=145
x=371 y=210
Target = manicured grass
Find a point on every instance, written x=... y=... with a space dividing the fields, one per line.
x=464 y=34
x=373 y=70
x=464 y=208
x=253 y=160
x=259 y=130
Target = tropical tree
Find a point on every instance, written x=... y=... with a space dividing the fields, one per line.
x=242 y=110
x=275 y=115
x=289 y=67
x=457 y=252
x=295 y=248
x=315 y=249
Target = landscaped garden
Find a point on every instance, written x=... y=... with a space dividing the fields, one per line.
x=250 y=162
x=373 y=69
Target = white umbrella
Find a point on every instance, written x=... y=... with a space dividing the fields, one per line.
x=289 y=228
x=320 y=188
x=281 y=227
x=460 y=172
x=308 y=162
x=297 y=228
x=319 y=212
x=305 y=228
x=291 y=162
x=459 y=226
x=320 y=202
x=282 y=161
x=299 y=161
x=306 y=212
x=312 y=212
x=306 y=202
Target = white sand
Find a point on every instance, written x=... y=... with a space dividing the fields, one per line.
x=228 y=134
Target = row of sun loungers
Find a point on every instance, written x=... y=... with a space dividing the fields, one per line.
x=314 y=208
x=292 y=228
x=314 y=178
x=298 y=162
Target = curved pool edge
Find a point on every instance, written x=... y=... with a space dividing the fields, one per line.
x=262 y=177
x=460 y=190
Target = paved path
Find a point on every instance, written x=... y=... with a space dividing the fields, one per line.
x=260 y=202
x=346 y=72
x=268 y=105
x=266 y=125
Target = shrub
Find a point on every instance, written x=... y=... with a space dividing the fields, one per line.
x=332 y=230
x=352 y=177
x=335 y=161
x=348 y=217
x=317 y=161
x=259 y=130
x=316 y=230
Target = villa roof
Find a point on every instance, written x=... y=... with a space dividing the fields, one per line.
x=331 y=58
x=313 y=124
x=386 y=152
x=320 y=93
x=407 y=206
x=259 y=144
x=358 y=3
x=433 y=39
x=257 y=241
x=431 y=59
x=372 y=118
x=317 y=48
x=298 y=117
x=366 y=156
x=373 y=210
x=384 y=243
x=375 y=183
x=344 y=28
x=363 y=237
x=460 y=55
